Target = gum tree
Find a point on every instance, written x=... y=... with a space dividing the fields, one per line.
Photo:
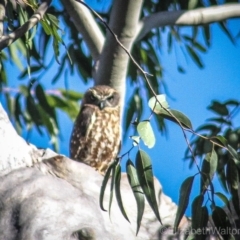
x=112 y=45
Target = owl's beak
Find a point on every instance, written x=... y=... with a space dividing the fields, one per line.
x=102 y=104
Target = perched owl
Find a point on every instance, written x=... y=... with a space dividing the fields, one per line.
x=95 y=138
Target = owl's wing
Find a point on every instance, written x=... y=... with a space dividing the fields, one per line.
x=78 y=137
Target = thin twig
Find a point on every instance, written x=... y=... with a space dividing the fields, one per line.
x=145 y=74
x=6 y=40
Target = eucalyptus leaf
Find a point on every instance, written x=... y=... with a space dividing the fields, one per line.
x=176 y=116
x=104 y=185
x=183 y=201
x=146 y=180
x=222 y=197
x=199 y=218
x=118 y=191
x=146 y=133
x=209 y=168
x=194 y=56
x=221 y=222
x=112 y=186
x=158 y=104
x=137 y=191
x=234 y=155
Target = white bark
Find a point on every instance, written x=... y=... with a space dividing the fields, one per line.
x=188 y=18
x=2 y=15
x=113 y=63
x=58 y=198
x=86 y=25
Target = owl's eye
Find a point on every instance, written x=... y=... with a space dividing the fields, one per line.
x=110 y=98
x=92 y=97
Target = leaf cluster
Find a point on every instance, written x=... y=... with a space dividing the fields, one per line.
x=33 y=107
x=141 y=180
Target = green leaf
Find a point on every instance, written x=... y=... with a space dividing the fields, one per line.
x=198 y=46
x=159 y=104
x=137 y=191
x=146 y=133
x=199 y=218
x=118 y=191
x=169 y=42
x=104 y=185
x=184 y=120
x=221 y=222
x=235 y=201
x=234 y=155
x=225 y=29
x=232 y=176
x=33 y=112
x=219 y=108
x=32 y=69
x=145 y=176
x=112 y=186
x=192 y=4
x=181 y=69
x=209 y=168
x=220 y=139
x=222 y=197
x=207 y=34
x=68 y=106
x=18 y=110
x=72 y=95
x=194 y=56
x=196 y=205
x=222 y=178
x=183 y=201
x=46 y=27
x=40 y=94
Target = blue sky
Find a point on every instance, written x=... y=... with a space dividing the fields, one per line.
x=190 y=93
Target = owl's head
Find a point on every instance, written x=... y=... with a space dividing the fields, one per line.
x=101 y=96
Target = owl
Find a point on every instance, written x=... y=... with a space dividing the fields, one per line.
x=96 y=134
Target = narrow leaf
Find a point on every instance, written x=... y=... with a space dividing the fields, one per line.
x=146 y=133
x=70 y=94
x=220 y=139
x=40 y=94
x=235 y=201
x=207 y=34
x=234 y=155
x=196 y=205
x=112 y=186
x=232 y=176
x=158 y=104
x=222 y=197
x=199 y=218
x=184 y=120
x=221 y=222
x=104 y=185
x=219 y=108
x=137 y=191
x=194 y=56
x=185 y=191
x=145 y=176
x=209 y=168
x=118 y=191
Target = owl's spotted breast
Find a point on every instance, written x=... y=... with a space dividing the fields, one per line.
x=96 y=135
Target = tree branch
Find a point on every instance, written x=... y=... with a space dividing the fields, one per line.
x=188 y=18
x=57 y=191
x=113 y=64
x=86 y=25
x=6 y=40
x=17 y=152
x=2 y=15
